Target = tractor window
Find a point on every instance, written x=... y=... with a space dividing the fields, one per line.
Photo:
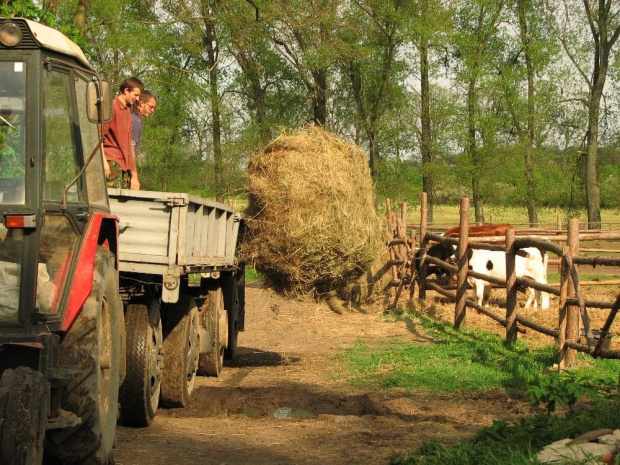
x=95 y=182
x=61 y=164
x=12 y=132
x=10 y=272
x=58 y=239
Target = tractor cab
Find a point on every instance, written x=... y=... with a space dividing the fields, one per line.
x=51 y=174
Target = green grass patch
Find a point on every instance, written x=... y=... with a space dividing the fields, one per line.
x=464 y=360
x=251 y=275
x=555 y=277
x=449 y=214
x=455 y=361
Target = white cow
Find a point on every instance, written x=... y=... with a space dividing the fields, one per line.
x=493 y=264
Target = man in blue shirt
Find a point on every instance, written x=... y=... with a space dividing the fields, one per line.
x=145 y=106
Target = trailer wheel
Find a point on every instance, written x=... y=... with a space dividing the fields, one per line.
x=214 y=333
x=181 y=349
x=23 y=416
x=139 y=393
x=232 y=310
x=92 y=351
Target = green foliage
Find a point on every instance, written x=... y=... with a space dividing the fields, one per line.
x=399 y=181
x=11 y=163
x=610 y=179
x=27 y=9
x=272 y=67
x=557 y=389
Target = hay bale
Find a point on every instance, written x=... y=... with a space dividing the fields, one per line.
x=312 y=226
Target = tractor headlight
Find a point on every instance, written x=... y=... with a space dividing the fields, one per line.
x=10 y=34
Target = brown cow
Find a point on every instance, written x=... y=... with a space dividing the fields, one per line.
x=480 y=230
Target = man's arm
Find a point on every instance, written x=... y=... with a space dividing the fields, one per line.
x=134 y=182
x=106 y=165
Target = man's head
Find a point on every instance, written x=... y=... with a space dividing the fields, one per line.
x=147 y=103
x=130 y=90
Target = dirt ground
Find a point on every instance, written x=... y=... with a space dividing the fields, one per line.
x=281 y=403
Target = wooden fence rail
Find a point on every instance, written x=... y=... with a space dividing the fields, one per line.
x=410 y=265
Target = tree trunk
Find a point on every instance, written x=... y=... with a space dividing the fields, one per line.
x=593 y=194
x=79 y=19
x=216 y=131
x=373 y=145
x=319 y=97
x=530 y=188
x=476 y=163
x=259 y=95
x=425 y=145
x=258 y=100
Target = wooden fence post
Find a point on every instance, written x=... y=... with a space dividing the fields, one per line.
x=572 y=311
x=423 y=241
x=463 y=265
x=511 y=288
x=564 y=285
x=390 y=231
x=402 y=229
x=413 y=276
x=559 y=228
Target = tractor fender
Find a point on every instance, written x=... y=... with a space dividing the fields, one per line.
x=101 y=229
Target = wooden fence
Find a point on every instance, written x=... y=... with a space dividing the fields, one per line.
x=409 y=262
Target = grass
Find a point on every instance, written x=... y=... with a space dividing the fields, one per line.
x=449 y=215
x=517 y=443
x=465 y=361
x=554 y=278
x=251 y=275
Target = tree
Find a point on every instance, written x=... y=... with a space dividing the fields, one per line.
x=525 y=35
x=212 y=51
x=302 y=32
x=603 y=25
x=373 y=34
x=605 y=29
x=270 y=91
x=476 y=29
x=430 y=22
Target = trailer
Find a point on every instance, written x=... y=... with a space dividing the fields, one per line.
x=183 y=292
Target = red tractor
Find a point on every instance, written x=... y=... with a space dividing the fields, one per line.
x=62 y=330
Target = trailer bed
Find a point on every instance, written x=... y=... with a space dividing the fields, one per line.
x=171 y=234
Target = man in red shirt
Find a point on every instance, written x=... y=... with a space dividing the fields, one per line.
x=118 y=162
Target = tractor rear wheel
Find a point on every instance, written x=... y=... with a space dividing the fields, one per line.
x=139 y=394
x=92 y=350
x=213 y=332
x=181 y=349
x=23 y=416
x=232 y=304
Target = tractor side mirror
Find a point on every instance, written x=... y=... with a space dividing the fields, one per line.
x=99 y=101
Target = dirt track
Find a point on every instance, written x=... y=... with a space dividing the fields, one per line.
x=285 y=368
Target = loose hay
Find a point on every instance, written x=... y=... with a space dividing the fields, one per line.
x=312 y=225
